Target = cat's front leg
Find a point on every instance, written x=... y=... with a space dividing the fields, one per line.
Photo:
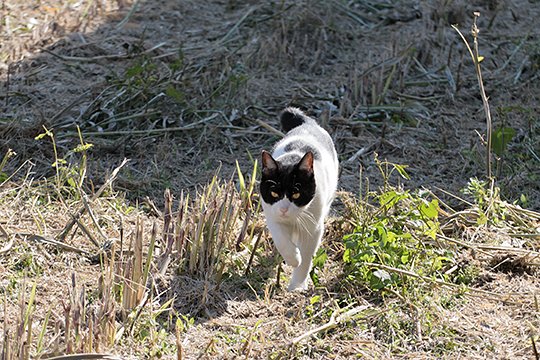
x=282 y=239
x=308 y=245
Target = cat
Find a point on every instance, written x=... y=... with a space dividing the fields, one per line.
x=299 y=179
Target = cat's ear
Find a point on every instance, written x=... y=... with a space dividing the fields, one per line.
x=306 y=164
x=268 y=163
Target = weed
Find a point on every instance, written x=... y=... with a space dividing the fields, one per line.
x=399 y=232
x=477 y=59
x=8 y=155
x=318 y=263
x=70 y=176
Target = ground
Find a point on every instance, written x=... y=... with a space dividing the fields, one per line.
x=189 y=90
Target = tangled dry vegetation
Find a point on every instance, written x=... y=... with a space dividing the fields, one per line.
x=421 y=258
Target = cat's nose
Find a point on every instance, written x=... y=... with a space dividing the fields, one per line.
x=283 y=210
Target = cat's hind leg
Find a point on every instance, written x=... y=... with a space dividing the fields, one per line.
x=308 y=245
x=282 y=239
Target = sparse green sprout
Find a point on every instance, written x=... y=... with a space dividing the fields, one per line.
x=318 y=263
x=500 y=139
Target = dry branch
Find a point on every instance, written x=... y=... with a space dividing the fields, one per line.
x=103 y=57
x=5 y=234
x=335 y=320
x=82 y=210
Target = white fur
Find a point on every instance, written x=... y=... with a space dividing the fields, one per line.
x=298 y=232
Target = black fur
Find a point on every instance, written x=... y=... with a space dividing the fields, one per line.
x=291 y=118
x=286 y=180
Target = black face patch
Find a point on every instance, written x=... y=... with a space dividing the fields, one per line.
x=296 y=182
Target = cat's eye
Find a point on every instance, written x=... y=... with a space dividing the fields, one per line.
x=295 y=196
x=274 y=194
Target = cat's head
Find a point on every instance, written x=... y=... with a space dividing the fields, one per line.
x=286 y=189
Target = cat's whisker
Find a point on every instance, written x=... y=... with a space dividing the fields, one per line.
x=301 y=225
x=306 y=221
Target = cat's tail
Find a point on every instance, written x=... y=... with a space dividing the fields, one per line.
x=292 y=117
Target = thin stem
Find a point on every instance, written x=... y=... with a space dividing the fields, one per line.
x=485 y=102
x=476 y=58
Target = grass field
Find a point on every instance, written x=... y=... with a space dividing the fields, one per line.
x=130 y=222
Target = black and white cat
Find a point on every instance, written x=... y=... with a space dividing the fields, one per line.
x=298 y=183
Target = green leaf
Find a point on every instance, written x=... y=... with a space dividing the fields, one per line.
x=429 y=209
x=500 y=139
x=82 y=148
x=431 y=229
x=59 y=162
x=320 y=258
x=347 y=255
x=405 y=257
x=241 y=179
x=72 y=183
x=314 y=277
x=401 y=170
x=175 y=94
x=315 y=299
x=134 y=71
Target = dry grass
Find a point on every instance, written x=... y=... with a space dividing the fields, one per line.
x=93 y=260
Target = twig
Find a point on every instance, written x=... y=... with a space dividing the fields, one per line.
x=253 y=253
x=334 y=321
x=103 y=57
x=82 y=210
x=476 y=58
x=136 y=132
x=454 y=196
x=355 y=15
x=91 y=214
x=86 y=357
x=124 y=21
x=495 y=295
x=489 y=247
x=87 y=232
x=45 y=240
x=269 y=128
x=9 y=245
x=236 y=26
x=15 y=172
x=363 y=151
x=68 y=107
x=507 y=62
x=535 y=349
x=7 y=85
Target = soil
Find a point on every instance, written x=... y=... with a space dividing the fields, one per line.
x=186 y=88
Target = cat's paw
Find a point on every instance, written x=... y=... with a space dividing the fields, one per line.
x=294 y=259
x=303 y=286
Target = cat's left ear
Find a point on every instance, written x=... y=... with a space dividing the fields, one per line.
x=268 y=162
x=306 y=164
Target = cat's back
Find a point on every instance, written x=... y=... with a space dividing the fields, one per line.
x=303 y=134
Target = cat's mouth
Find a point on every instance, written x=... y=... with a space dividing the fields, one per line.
x=285 y=217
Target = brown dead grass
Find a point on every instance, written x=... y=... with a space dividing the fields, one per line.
x=380 y=78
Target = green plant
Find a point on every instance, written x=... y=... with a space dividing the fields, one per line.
x=318 y=263
x=400 y=234
x=8 y=155
x=477 y=59
x=151 y=332
x=486 y=196
x=399 y=231
x=70 y=176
